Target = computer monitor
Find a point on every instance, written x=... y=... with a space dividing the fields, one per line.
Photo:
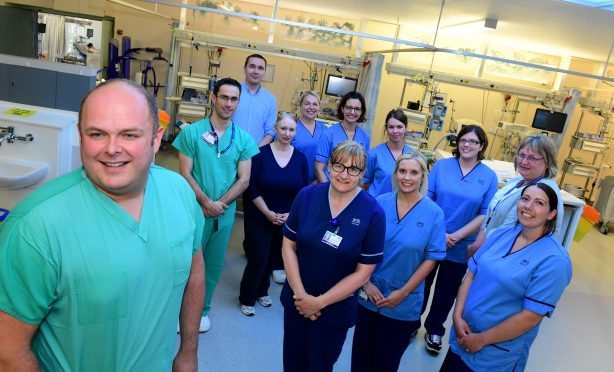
x=339 y=86
x=549 y=121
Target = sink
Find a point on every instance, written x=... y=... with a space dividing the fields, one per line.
x=17 y=173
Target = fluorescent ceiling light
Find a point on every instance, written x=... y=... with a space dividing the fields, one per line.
x=479 y=25
x=599 y=4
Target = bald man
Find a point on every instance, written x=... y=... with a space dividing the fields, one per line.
x=92 y=274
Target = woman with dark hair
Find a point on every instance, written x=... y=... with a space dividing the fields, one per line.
x=351 y=111
x=382 y=158
x=462 y=186
x=391 y=301
x=535 y=162
x=514 y=280
x=333 y=239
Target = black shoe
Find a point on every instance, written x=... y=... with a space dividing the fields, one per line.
x=432 y=343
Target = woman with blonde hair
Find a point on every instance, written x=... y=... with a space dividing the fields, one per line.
x=308 y=129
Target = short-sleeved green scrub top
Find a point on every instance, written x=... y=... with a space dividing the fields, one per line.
x=105 y=289
x=214 y=174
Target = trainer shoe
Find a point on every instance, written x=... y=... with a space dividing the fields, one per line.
x=265 y=301
x=205 y=324
x=248 y=310
x=279 y=276
x=432 y=343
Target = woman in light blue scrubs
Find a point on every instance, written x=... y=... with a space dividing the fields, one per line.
x=514 y=280
x=308 y=130
x=462 y=186
x=382 y=158
x=333 y=238
x=535 y=162
x=391 y=301
x=351 y=111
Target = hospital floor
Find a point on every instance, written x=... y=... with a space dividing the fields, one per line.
x=578 y=337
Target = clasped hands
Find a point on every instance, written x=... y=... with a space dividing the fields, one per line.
x=212 y=208
x=308 y=306
x=277 y=218
x=377 y=297
x=471 y=342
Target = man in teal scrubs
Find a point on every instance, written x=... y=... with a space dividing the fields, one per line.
x=96 y=265
x=215 y=158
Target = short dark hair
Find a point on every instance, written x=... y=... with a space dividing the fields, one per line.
x=397 y=114
x=225 y=81
x=479 y=132
x=152 y=105
x=255 y=55
x=348 y=96
x=553 y=201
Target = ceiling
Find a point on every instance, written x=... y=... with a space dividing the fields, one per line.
x=547 y=26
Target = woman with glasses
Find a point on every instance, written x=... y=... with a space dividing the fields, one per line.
x=391 y=301
x=351 y=111
x=513 y=282
x=309 y=130
x=535 y=162
x=462 y=186
x=333 y=239
x=382 y=158
x=278 y=173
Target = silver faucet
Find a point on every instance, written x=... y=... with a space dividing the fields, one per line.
x=8 y=134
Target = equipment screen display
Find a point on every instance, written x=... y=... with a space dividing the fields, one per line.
x=339 y=86
x=549 y=121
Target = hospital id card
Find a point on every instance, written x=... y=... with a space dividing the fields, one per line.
x=332 y=239
x=209 y=138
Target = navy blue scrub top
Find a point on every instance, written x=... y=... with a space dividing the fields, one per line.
x=362 y=225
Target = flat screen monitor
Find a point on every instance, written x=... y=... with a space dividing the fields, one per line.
x=339 y=86
x=549 y=121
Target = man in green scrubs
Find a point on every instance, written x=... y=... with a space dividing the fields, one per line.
x=96 y=265
x=215 y=158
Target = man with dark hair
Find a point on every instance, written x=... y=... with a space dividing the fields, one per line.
x=257 y=112
x=215 y=158
x=91 y=277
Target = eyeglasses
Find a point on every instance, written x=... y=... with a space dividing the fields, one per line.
x=352 y=170
x=530 y=159
x=350 y=108
x=465 y=141
x=226 y=98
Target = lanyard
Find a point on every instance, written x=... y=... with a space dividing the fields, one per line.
x=217 y=139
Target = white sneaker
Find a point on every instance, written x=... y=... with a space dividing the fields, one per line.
x=205 y=324
x=279 y=276
x=265 y=301
x=248 y=310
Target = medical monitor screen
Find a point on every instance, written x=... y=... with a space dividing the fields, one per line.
x=339 y=86
x=549 y=121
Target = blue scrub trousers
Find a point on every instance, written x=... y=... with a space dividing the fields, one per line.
x=310 y=346
x=454 y=363
x=379 y=342
x=449 y=277
x=214 y=245
x=263 y=252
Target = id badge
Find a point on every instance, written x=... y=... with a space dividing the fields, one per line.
x=208 y=137
x=332 y=239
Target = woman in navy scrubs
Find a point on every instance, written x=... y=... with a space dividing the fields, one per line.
x=514 y=280
x=278 y=173
x=462 y=186
x=382 y=158
x=333 y=239
x=392 y=299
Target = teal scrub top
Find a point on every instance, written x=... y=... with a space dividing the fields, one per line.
x=216 y=175
x=105 y=289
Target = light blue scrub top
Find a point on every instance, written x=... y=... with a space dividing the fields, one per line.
x=461 y=198
x=307 y=143
x=502 y=210
x=256 y=113
x=380 y=165
x=505 y=283
x=334 y=135
x=105 y=289
x=420 y=235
